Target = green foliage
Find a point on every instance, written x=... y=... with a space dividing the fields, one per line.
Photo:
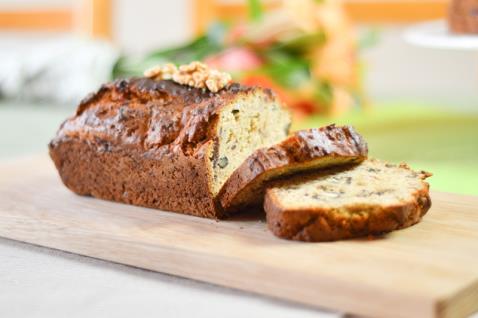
x=323 y=93
x=286 y=62
x=255 y=10
x=198 y=49
x=301 y=44
x=369 y=38
x=286 y=69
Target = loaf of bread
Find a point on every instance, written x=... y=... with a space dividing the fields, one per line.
x=370 y=198
x=159 y=144
x=305 y=150
x=463 y=16
x=187 y=139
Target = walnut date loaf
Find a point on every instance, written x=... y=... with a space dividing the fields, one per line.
x=159 y=144
x=370 y=198
x=305 y=150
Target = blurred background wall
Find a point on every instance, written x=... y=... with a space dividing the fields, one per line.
x=394 y=69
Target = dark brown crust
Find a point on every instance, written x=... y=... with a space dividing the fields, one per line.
x=145 y=142
x=130 y=177
x=463 y=16
x=302 y=147
x=320 y=225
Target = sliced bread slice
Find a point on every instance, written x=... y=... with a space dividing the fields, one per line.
x=370 y=198
x=304 y=150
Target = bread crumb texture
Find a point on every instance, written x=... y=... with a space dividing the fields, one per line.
x=249 y=122
x=371 y=183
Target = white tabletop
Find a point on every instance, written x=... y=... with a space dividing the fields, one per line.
x=40 y=282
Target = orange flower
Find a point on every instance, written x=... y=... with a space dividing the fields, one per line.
x=335 y=62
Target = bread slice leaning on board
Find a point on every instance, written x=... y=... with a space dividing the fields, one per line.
x=305 y=150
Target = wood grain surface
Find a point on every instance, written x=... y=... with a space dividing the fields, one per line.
x=428 y=270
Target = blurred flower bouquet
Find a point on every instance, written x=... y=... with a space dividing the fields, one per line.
x=305 y=50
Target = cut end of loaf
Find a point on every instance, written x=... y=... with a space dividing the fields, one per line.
x=248 y=122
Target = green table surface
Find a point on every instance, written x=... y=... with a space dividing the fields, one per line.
x=440 y=141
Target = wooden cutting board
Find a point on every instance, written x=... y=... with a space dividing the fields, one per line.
x=428 y=270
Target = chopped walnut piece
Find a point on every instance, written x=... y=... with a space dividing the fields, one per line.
x=161 y=72
x=217 y=80
x=194 y=74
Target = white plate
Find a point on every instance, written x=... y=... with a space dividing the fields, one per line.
x=435 y=35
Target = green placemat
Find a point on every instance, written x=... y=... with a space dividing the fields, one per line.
x=442 y=142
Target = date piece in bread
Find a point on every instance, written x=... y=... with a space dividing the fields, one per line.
x=370 y=198
x=305 y=150
x=163 y=145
